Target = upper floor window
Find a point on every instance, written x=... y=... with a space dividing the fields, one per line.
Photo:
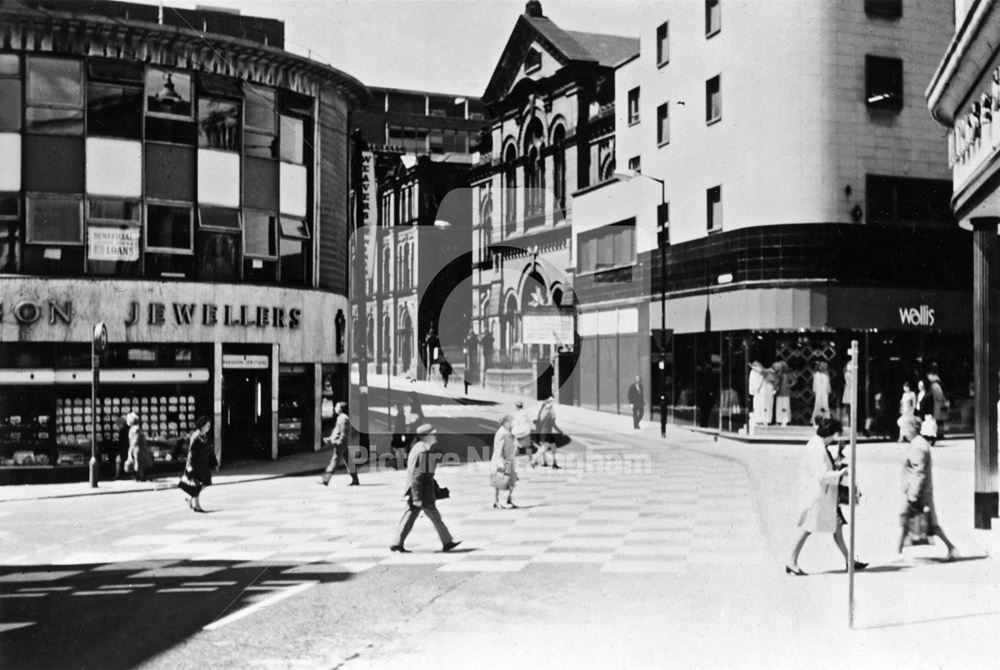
x=663 y=43
x=607 y=248
x=714 y=208
x=663 y=124
x=219 y=124
x=633 y=105
x=114 y=99
x=54 y=96
x=260 y=137
x=713 y=99
x=169 y=107
x=294 y=126
x=890 y=9
x=884 y=82
x=713 y=17
x=10 y=93
x=635 y=164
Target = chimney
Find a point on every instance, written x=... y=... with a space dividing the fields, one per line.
x=533 y=8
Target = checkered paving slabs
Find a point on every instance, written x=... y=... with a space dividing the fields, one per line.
x=690 y=511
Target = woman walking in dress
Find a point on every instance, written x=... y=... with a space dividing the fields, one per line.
x=907 y=408
x=200 y=463
x=545 y=425
x=140 y=457
x=918 y=487
x=821 y=479
x=503 y=475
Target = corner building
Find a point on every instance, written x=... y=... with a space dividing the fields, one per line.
x=180 y=177
x=804 y=205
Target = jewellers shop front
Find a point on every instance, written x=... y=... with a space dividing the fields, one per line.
x=264 y=363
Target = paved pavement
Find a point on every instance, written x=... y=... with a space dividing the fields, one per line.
x=641 y=552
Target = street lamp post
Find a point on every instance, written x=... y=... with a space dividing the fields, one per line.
x=662 y=232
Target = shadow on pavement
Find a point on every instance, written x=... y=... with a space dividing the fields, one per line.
x=917 y=622
x=118 y=615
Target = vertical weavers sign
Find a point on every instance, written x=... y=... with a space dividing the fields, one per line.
x=368 y=188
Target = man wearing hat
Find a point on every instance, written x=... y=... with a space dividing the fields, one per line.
x=422 y=496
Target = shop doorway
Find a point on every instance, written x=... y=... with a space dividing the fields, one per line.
x=246 y=415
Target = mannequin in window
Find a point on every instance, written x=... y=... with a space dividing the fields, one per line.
x=845 y=399
x=767 y=397
x=755 y=384
x=782 y=391
x=821 y=391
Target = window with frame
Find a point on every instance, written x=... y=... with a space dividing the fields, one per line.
x=713 y=17
x=54 y=219
x=713 y=200
x=114 y=99
x=293 y=251
x=260 y=135
x=10 y=93
x=219 y=124
x=663 y=43
x=887 y=9
x=169 y=107
x=53 y=96
x=260 y=246
x=10 y=232
x=169 y=227
x=713 y=99
x=633 y=106
x=295 y=127
x=114 y=237
x=607 y=248
x=635 y=164
x=663 y=124
x=883 y=83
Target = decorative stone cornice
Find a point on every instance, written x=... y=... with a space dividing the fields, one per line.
x=84 y=35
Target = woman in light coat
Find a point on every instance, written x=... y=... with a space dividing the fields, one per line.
x=140 y=457
x=821 y=477
x=918 y=487
x=503 y=475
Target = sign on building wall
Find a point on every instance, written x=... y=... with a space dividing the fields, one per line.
x=112 y=244
x=547 y=329
x=368 y=188
x=245 y=361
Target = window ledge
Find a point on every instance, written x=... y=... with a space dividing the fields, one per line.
x=713 y=33
x=633 y=122
x=662 y=63
x=662 y=144
x=712 y=122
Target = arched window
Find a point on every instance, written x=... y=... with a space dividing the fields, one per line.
x=559 y=170
x=510 y=189
x=534 y=169
x=371 y=335
x=386 y=353
x=485 y=220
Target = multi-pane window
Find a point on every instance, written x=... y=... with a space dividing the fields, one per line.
x=54 y=96
x=663 y=123
x=219 y=124
x=294 y=127
x=607 y=248
x=293 y=249
x=884 y=82
x=633 y=105
x=713 y=201
x=663 y=43
x=114 y=99
x=713 y=17
x=218 y=248
x=10 y=93
x=713 y=99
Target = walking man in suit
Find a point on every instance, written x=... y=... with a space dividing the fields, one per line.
x=637 y=399
x=340 y=439
x=422 y=496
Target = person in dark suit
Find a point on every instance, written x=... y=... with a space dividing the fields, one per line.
x=422 y=494
x=637 y=399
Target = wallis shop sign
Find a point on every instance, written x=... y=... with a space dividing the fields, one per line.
x=28 y=312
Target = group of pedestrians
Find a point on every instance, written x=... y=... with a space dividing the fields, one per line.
x=824 y=492
x=927 y=405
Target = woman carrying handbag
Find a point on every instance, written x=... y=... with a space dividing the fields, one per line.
x=503 y=476
x=200 y=463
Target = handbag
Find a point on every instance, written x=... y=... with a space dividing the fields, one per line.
x=917 y=526
x=441 y=492
x=929 y=427
x=188 y=485
x=500 y=480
